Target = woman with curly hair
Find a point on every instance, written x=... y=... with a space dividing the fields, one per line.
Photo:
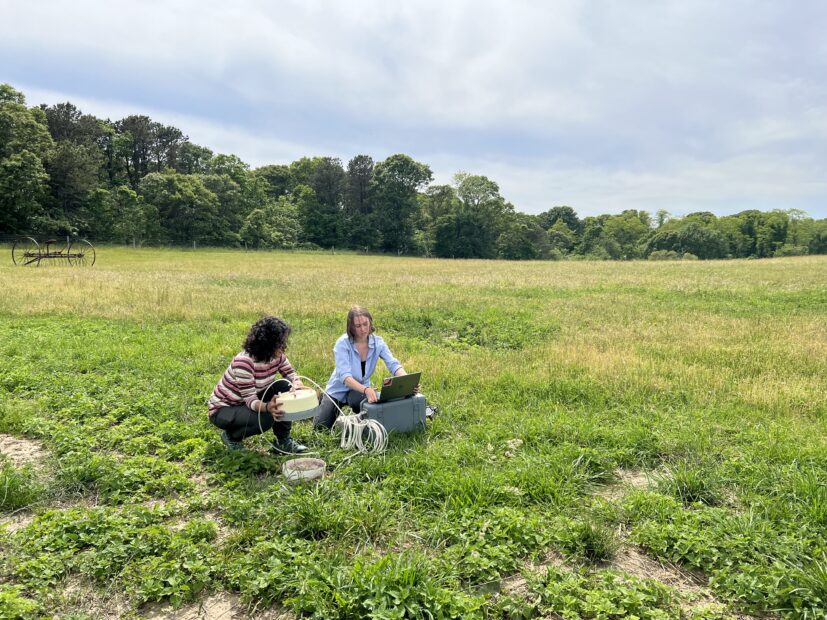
x=243 y=403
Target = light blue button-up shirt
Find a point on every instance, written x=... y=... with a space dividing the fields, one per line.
x=349 y=363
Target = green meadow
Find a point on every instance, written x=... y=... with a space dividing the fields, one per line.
x=615 y=440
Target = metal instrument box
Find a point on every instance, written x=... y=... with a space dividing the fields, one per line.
x=405 y=415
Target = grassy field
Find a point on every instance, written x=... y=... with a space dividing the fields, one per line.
x=615 y=440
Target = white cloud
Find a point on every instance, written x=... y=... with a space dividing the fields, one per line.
x=675 y=104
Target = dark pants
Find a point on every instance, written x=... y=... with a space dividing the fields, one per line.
x=327 y=412
x=240 y=421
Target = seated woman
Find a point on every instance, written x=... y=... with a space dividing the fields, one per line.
x=356 y=354
x=243 y=403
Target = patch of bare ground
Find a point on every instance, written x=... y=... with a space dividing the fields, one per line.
x=16 y=521
x=81 y=596
x=223 y=530
x=218 y=606
x=690 y=585
x=625 y=479
x=517 y=585
x=21 y=451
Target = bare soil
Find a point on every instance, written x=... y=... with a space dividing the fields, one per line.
x=219 y=606
x=21 y=451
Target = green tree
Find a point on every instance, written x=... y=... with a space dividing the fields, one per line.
x=133 y=221
x=74 y=171
x=523 y=239
x=134 y=147
x=188 y=211
x=595 y=243
x=561 y=238
x=569 y=217
x=771 y=233
x=321 y=216
x=738 y=244
x=464 y=234
x=629 y=231
x=22 y=191
x=394 y=188
x=435 y=202
x=276 y=225
x=192 y=159
x=24 y=144
x=692 y=237
x=359 y=177
x=278 y=179
x=481 y=196
x=818 y=240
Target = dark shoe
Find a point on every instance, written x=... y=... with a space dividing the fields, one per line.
x=236 y=446
x=288 y=445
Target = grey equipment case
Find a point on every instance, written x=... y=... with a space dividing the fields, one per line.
x=403 y=416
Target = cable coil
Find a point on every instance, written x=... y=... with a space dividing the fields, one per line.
x=364 y=436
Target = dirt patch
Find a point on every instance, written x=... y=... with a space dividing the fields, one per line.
x=80 y=596
x=517 y=585
x=21 y=451
x=691 y=585
x=219 y=606
x=625 y=479
x=16 y=522
x=633 y=561
x=223 y=530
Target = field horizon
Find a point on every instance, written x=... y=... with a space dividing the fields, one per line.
x=615 y=439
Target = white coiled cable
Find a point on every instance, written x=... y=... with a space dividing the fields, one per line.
x=365 y=436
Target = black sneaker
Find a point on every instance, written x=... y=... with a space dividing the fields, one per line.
x=288 y=445
x=235 y=446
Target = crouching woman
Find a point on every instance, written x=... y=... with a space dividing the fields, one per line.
x=243 y=402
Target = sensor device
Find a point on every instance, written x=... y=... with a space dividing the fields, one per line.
x=298 y=404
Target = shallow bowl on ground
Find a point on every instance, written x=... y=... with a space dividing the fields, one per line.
x=301 y=469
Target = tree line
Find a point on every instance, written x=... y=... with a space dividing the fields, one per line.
x=139 y=182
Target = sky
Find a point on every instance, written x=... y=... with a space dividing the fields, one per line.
x=602 y=105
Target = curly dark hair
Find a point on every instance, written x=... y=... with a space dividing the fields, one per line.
x=267 y=335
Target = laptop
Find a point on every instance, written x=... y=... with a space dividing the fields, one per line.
x=394 y=388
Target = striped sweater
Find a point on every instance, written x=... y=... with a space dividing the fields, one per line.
x=245 y=378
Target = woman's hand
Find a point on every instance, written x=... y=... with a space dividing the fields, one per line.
x=370 y=394
x=297 y=384
x=275 y=409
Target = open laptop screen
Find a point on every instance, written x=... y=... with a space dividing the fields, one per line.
x=394 y=388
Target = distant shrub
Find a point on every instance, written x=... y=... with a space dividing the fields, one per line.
x=688 y=256
x=664 y=255
x=791 y=250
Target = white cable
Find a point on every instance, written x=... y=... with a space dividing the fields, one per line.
x=365 y=436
